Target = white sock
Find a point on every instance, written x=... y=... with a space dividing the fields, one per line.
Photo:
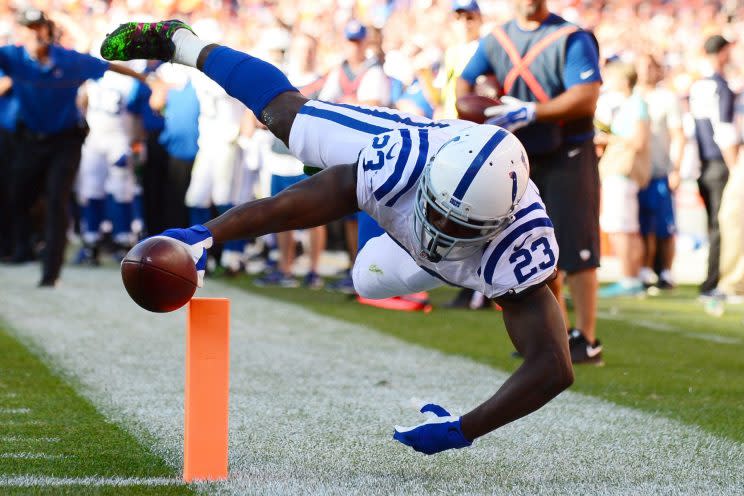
x=188 y=47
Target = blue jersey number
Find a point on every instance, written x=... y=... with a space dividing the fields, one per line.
x=525 y=267
x=377 y=143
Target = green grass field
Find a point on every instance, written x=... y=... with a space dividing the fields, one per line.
x=47 y=429
x=663 y=356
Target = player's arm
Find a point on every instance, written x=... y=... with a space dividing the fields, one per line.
x=535 y=325
x=126 y=71
x=326 y=196
x=6 y=83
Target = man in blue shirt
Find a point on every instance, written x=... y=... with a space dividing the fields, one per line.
x=548 y=72
x=50 y=132
x=8 y=112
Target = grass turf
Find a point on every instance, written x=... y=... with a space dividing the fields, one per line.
x=662 y=354
x=40 y=414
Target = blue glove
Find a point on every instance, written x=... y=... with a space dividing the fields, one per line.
x=512 y=114
x=436 y=434
x=196 y=239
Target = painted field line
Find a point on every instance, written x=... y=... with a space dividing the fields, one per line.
x=14 y=411
x=670 y=328
x=31 y=456
x=23 y=439
x=20 y=423
x=43 y=481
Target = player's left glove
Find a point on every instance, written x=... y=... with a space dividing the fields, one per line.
x=439 y=433
x=512 y=114
x=197 y=240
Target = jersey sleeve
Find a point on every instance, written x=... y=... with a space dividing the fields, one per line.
x=479 y=63
x=582 y=60
x=328 y=134
x=91 y=67
x=524 y=255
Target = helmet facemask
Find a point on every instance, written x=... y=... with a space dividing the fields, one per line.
x=435 y=244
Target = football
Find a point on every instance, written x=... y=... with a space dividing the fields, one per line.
x=471 y=107
x=159 y=274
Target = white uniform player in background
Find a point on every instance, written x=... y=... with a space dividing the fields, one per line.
x=106 y=184
x=218 y=177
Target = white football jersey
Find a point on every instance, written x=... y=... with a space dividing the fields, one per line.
x=220 y=115
x=107 y=113
x=390 y=164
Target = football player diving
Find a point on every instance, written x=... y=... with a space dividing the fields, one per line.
x=453 y=197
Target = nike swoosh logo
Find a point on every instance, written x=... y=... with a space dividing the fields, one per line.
x=520 y=245
x=573 y=152
x=586 y=74
x=390 y=155
x=591 y=352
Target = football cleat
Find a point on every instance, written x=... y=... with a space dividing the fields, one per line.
x=582 y=351
x=142 y=40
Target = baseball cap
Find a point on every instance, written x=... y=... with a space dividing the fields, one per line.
x=355 y=31
x=715 y=44
x=31 y=17
x=465 y=5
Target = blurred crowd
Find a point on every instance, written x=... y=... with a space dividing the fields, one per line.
x=410 y=53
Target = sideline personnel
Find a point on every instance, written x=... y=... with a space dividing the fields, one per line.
x=548 y=69
x=46 y=78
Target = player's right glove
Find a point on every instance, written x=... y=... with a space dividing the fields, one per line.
x=197 y=240
x=442 y=432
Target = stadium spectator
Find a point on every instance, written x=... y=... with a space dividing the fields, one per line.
x=46 y=78
x=549 y=102
x=359 y=79
x=624 y=168
x=466 y=32
x=467 y=25
x=712 y=107
x=667 y=152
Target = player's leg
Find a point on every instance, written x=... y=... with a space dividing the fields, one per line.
x=120 y=186
x=321 y=134
x=63 y=163
x=383 y=269
x=665 y=234
x=91 y=198
x=199 y=193
x=227 y=179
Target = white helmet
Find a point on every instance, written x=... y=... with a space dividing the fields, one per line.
x=474 y=181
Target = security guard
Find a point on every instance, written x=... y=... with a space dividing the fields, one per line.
x=50 y=132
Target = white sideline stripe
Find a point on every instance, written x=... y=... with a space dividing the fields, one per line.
x=22 y=439
x=32 y=456
x=15 y=411
x=43 y=481
x=314 y=400
x=9 y=395
x=664 y=327
x=8 y=423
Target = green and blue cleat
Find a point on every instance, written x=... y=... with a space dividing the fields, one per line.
x=142 y=40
